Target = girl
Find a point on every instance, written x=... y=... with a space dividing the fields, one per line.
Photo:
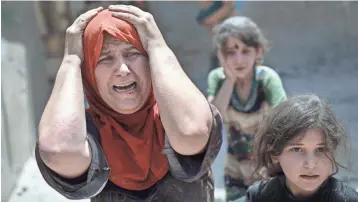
x=243 y=91
x=296 y=144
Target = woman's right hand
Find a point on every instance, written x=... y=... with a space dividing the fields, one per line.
x=74 y=33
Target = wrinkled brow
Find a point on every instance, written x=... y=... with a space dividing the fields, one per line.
x=111 y=46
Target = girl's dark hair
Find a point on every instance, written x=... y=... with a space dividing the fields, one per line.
x=242 y=28
x=290 y=119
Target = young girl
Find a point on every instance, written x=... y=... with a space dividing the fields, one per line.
x=242 y=90
x=296 y=144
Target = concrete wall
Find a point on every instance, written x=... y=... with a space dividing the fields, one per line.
x=17 y=134
x=24 y=88
x=19 y=26
x=190 y=42
x=309 y=36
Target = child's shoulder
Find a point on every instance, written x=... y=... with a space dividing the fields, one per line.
x=341 y=191
x=273 y=190
x=265 y=72
x=219 y=71
x=260 y=189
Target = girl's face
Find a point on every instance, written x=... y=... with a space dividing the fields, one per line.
x=305 y=162
x=239 y=57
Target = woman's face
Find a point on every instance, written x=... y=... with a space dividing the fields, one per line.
x=240 y=57
x=306 y=162
x=122 y=76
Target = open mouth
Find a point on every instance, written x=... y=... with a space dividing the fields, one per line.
x=124 y=88
x=309 y=177
x=239 y=69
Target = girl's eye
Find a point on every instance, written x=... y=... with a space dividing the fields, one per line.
x=230 y=53
x=322 y=149
x=296 y=149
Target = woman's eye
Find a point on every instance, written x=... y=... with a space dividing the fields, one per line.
x=105 y=59
x=131 y=54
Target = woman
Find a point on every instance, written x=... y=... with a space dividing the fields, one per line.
x=242 y=90
x=142 y=138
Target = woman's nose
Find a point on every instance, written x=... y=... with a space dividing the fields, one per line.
x=123 y=70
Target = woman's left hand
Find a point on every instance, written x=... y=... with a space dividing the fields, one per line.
x=147 y=29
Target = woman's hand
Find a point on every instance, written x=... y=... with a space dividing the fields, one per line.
x=147 y=29
x=74 y=33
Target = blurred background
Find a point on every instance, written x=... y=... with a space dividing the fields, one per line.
x=314 y=49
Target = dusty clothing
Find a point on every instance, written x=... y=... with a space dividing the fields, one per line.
x=188 y=179
x=275 y=190
x=242 y=121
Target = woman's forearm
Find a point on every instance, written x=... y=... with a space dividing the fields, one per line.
x=62 y=127
x=184 y=111
x=222 y=99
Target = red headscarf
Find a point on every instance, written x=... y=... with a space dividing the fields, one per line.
x=132 y=143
